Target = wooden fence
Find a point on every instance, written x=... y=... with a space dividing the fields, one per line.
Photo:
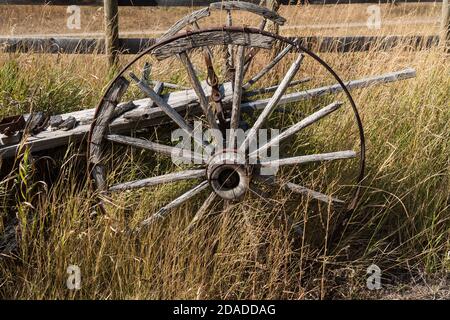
x=112 y=45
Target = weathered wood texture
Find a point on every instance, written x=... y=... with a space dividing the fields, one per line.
x=339 y=155
x=196 y=85
x=187 y=20
x=317 y=92
x=167 y=178
x=250 y=7
x=181 y=101
x=212 y=38
x=176 y=153
x=111 y=10
x=237 y=95
x=100 y=128
x=135 y=45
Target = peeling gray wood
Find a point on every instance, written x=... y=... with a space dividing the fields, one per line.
x=174 y=152
x=182 y=23
x=237 y=94
x=248 y=94
x=202 y=210
x=168 y=110
x=212 y=38
x=110 y=102
x=339 y=155
x=332 y=89
x=311 y=193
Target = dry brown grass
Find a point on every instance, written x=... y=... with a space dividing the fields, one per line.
x=401 y=222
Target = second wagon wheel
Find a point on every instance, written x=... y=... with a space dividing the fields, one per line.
x=186 y=144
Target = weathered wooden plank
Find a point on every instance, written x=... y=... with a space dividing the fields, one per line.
x=336 y=88
x=185 y=21
x=142 y=115
x=248 y=94
x=167 y=178
x=212 y=38
x=250 y=7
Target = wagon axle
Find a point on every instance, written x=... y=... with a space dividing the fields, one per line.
x=229 y=174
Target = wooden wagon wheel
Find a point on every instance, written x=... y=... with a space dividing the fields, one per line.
x=231 y=172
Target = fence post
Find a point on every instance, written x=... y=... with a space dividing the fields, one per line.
x=445 y=26
x=111 y=31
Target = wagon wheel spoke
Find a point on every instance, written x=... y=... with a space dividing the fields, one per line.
x=229 y=63
x=339 y=155
x=153 y=181
x=159 y=148
x=195 y=82
x=168 y=110
x=253 y=51
x=207 y=50
x=269 y=67
x=293 y=187
x=273 y=102
x=316 y=116
x=202 y=210
x=176 y=203
x=233 y=181
x=237 y=91
x=311 y=193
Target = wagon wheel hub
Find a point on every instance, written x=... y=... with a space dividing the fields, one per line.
x=229 y=174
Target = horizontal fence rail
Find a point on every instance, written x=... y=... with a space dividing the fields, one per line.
x=190 y=3
x=136 y=45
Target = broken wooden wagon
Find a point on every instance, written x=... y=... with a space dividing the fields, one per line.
x=228 y=98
